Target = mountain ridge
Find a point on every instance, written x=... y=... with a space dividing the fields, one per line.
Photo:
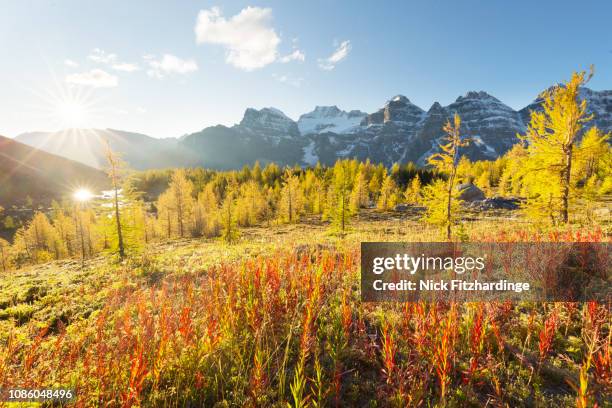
x=399 y=131
x=26 y=171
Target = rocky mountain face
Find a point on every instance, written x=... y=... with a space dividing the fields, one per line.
x=265 y=135
x=269 y=123
x=400 y=131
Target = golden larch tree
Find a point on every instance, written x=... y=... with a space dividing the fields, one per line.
x=441 y=207
x=551 y=138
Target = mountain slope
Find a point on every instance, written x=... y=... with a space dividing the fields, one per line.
x=88 y=147
x=265 y=135
x=25 y=171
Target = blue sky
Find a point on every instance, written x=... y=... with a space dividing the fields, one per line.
x=169 y=68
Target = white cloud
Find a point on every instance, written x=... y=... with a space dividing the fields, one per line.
x=125 y=67
x=248 y=38
x=96 y=78
x=169 y=64
x=296 y=55
x=102 y=57
x=140 y=109
x=70 y=63
x=112 y=60
x=339 y=54
x=289 y=80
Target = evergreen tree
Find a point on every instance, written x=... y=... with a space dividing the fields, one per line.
x=208 y=202
x=229 y=223
x=114 y=173
x=484 y=181
x=165 y=214
x=5 y=259
x=251 y=204
x=376 y=183
x=37 y=241
x=64 y=225
x=551 y=138
x=388 y=197
x=441 y=208
x=593 y=155
x=360 y=197
x=291 y=203
x=339 y=212
x=413 y=192
x=175 y=206
x=181 y=190
x=435 y=197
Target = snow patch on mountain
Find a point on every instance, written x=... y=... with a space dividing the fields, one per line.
x=488 y=150
x=310 y=157
x=329 y=119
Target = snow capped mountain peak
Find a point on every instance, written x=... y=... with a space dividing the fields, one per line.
x=399 y=98
x=327 y=111
x=329 y=119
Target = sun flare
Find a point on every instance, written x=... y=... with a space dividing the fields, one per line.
x=71 y=113
x=82 y=194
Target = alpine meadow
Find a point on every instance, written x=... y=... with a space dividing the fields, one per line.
x=225 y=267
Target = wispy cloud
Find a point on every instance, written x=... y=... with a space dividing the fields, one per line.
x=96 y=78
x=102 y=57
x=112 y=60
x=169 y=64
x=289 y=80
x=296 y=55
x=125 y=67
x=248 y=37
x=70 y=63
x=339 y=54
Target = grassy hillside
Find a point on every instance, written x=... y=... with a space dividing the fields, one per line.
x=276 y=319
x=28 y=172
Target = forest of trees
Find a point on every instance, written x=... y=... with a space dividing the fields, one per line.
x=554 y=170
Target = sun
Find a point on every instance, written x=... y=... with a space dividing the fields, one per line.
x=67 y=107
x=82 y=194
x=71 y=113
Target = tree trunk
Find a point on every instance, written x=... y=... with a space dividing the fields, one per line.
x=179 y=213
x=118 y=221
x=4 y=268
x=448 y=213
x=451 y=181
x=290 y=209
x=343 y=210
x=565 y=184
x=80 y=219
x=169 y=228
